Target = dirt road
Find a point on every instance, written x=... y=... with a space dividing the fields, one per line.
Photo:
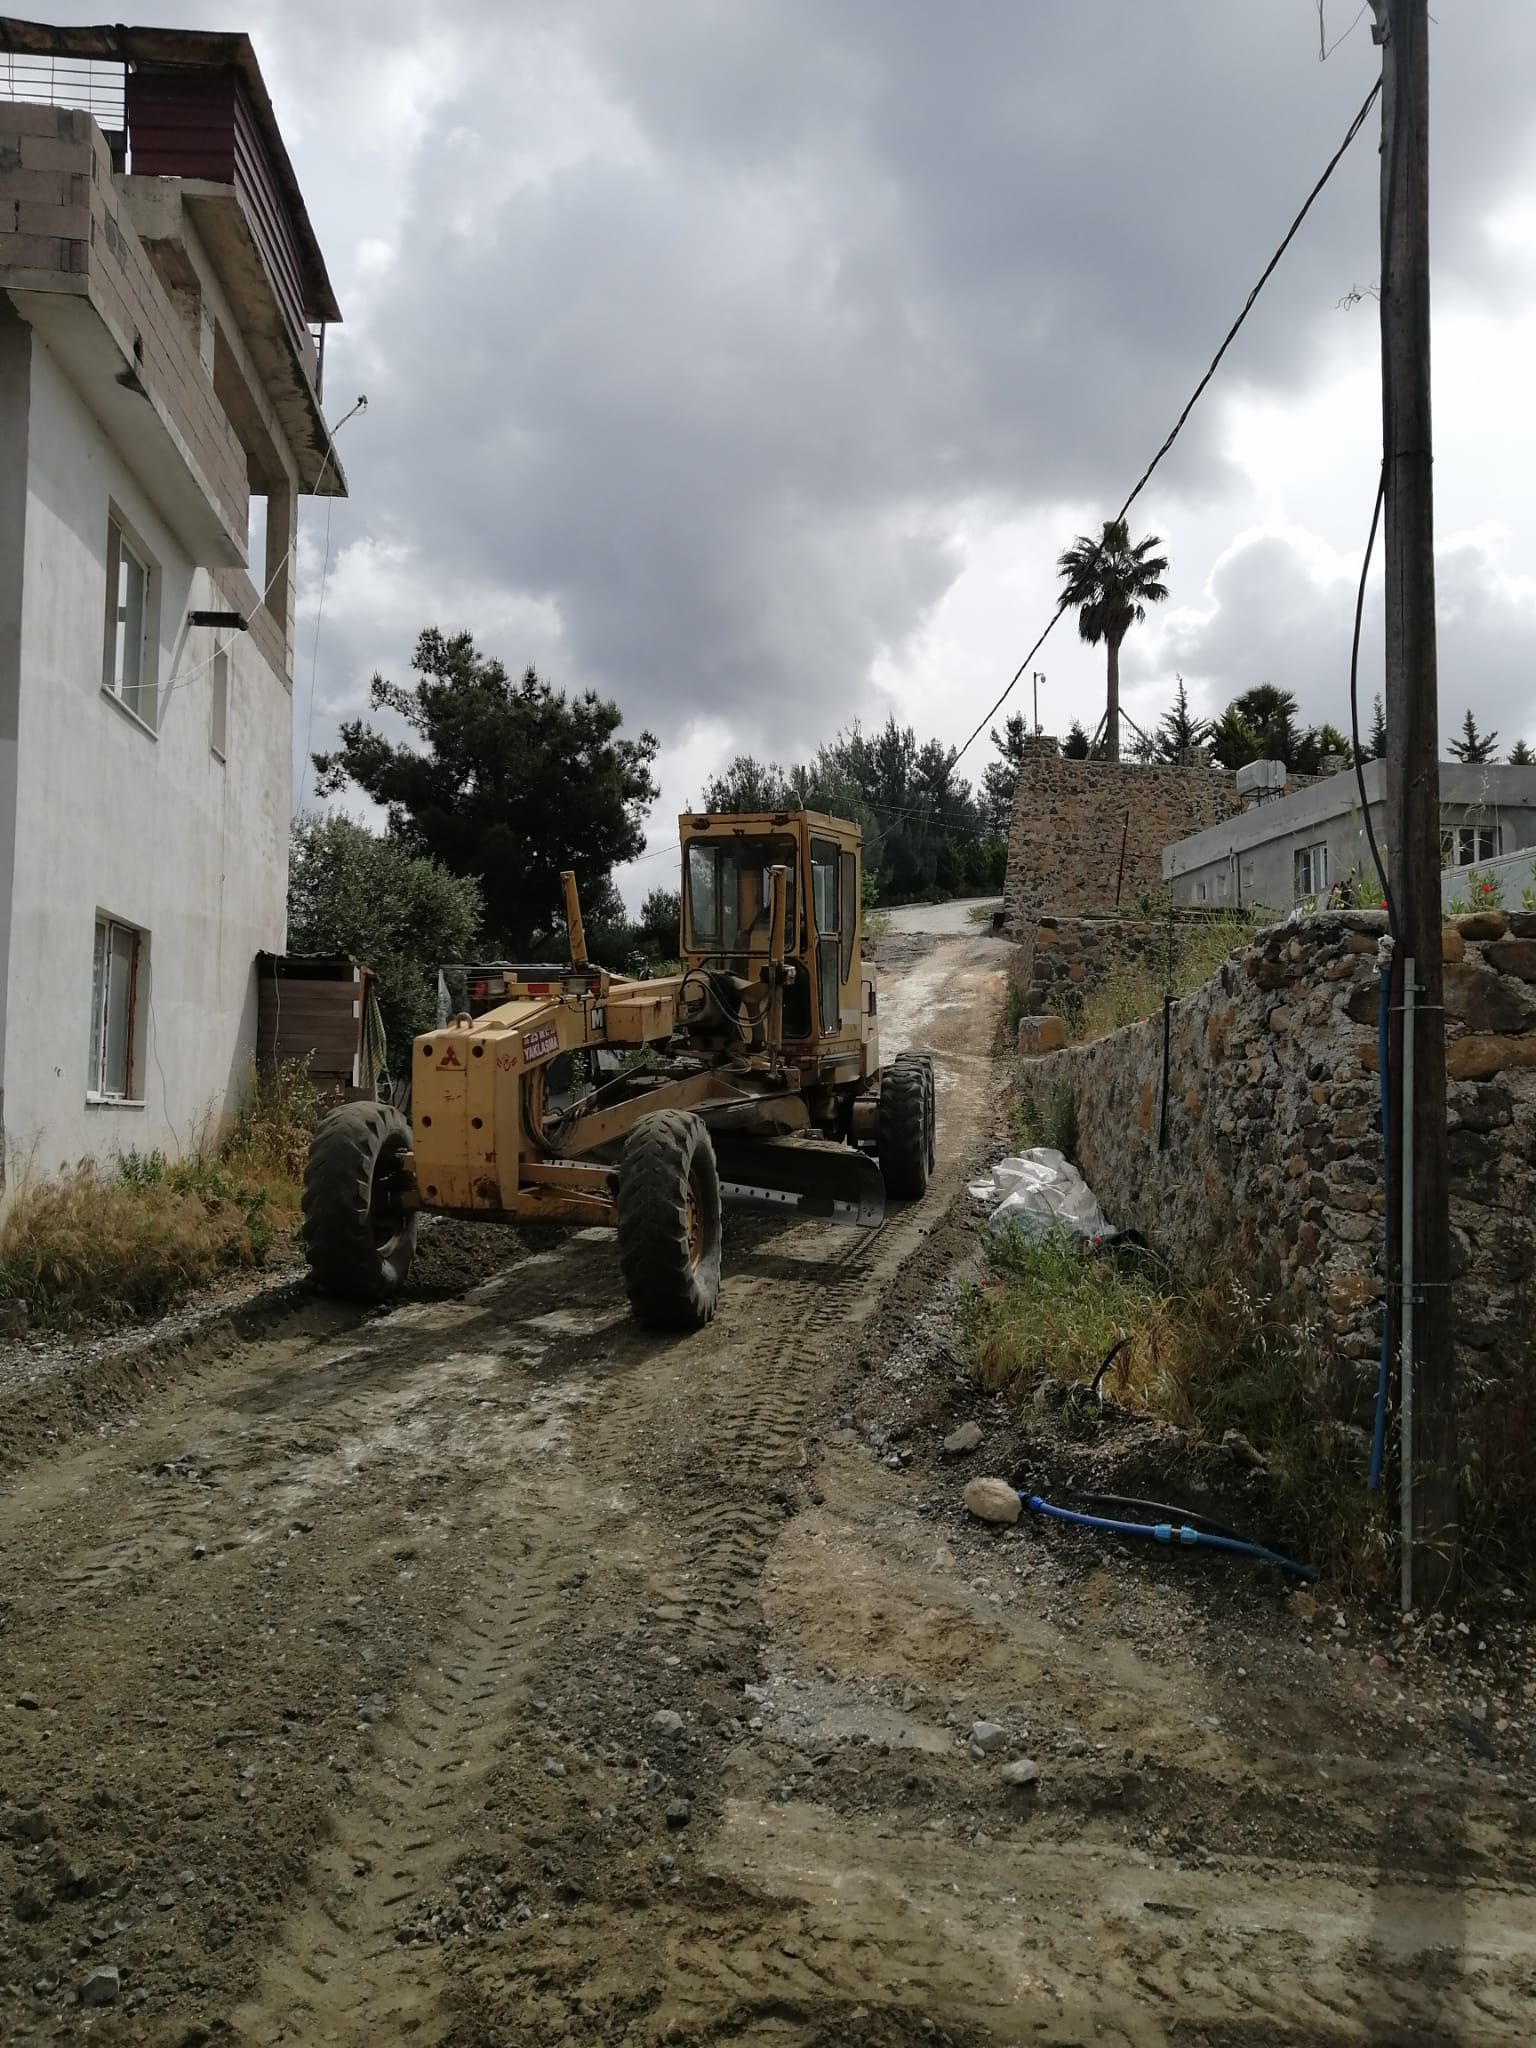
x=490 y=1672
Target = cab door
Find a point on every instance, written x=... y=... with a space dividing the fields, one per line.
x=825 y=909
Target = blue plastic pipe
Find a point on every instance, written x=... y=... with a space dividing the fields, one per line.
x=1379 y=1433
x=1168 y=1532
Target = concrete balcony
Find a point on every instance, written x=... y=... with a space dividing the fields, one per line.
x=75 y=269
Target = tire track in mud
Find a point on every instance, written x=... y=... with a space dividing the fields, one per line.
x=591 y=1506
x=346 y=1970
x=283 y=1433
x=755 y=1418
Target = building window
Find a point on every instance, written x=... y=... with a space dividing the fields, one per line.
x=219 y=730
x=1201 y=892
x=1462 y=846
x=1221 y=885
x=127 y=667
x=1311 y=871
x=114 y=1012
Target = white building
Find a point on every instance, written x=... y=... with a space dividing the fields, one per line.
x=162 y=310
x=1295 y=849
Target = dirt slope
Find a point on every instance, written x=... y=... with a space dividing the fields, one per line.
x=492 y=1672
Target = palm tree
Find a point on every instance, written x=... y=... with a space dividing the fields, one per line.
x=1110 y=584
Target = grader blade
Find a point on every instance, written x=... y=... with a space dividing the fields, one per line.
x=831 y=1182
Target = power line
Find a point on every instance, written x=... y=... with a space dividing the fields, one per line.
x=1178 y=425
x=1325 y=49
x=224 y=646
x=314 y=655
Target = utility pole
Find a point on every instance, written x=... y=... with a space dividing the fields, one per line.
x=1413 y=792
x=1037 y=679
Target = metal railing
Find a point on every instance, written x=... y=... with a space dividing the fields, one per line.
x=96 y=84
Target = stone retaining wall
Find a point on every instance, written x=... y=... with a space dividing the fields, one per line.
x=1056 y=954
x=1074 y=820
x=1273 y=1133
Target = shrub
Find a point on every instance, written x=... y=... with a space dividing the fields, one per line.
x=270 y=1139
x=129 y=1239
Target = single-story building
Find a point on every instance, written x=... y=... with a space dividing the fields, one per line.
x=1295 y=849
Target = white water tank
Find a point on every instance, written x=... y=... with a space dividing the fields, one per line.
x=1261 y=778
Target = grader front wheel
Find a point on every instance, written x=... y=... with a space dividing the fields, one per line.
x=359 y=1238
x=669 y=1222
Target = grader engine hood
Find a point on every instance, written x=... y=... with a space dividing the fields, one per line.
x=478 y=1092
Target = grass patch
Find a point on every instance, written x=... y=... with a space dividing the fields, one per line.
x=1013 y=1013
x=1192 y=956
x=981 y=914
x=133 y=1236
x=130 y=1240
x=1207 y=1354
x=1044 y=1117
x=877 y=925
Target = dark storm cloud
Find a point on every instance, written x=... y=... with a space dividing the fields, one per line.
x=1274 y=617
x=718 y=383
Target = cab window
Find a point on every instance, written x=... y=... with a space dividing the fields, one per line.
x=848 y=884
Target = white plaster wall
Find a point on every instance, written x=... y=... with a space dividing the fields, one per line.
x=153 y=830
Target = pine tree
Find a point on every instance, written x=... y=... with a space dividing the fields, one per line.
x=1376 y=749
x=1075 y=746
x=1520 y=755
x=1474 y=747
x=1179 y=733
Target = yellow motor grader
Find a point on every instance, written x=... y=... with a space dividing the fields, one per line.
x=752 y=1075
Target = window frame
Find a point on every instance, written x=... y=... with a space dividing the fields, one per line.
x=1455 y=838
x=122 y=541
x=1315 y=857
x=98 y=1065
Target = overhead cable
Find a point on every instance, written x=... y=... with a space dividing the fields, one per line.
x=1178 y=426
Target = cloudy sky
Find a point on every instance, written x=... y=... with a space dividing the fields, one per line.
x=754 y=359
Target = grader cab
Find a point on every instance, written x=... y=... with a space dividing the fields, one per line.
x=750 y=1076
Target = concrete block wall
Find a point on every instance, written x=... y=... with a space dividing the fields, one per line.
x=63 y=227
x=1273 y=1131
x=1072 y=820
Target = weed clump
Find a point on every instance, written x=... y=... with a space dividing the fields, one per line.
x=133 y=1236
x=1205 y=1353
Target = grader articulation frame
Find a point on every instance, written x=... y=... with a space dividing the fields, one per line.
x=752 y=1075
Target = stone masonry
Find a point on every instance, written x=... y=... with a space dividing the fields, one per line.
x=1057 y=954
x=1273 y=1129
x=1072 y=818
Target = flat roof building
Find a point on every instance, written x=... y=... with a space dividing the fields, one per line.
x=1298 y=848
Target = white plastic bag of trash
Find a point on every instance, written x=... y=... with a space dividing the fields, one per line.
x=1042 y=1194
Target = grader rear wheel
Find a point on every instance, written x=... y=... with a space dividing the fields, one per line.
x=924 y=1060
x=359 y=1238
x=669 y=1222
x=903 y=1143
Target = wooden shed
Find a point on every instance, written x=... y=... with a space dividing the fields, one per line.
x=315 y=1008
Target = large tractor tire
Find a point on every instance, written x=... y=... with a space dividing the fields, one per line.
x=669 y=1221
x=925 y=1061
x=905 y=1116
x=359 y=1238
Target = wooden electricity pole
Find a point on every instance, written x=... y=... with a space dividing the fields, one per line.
x=1413 y=779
